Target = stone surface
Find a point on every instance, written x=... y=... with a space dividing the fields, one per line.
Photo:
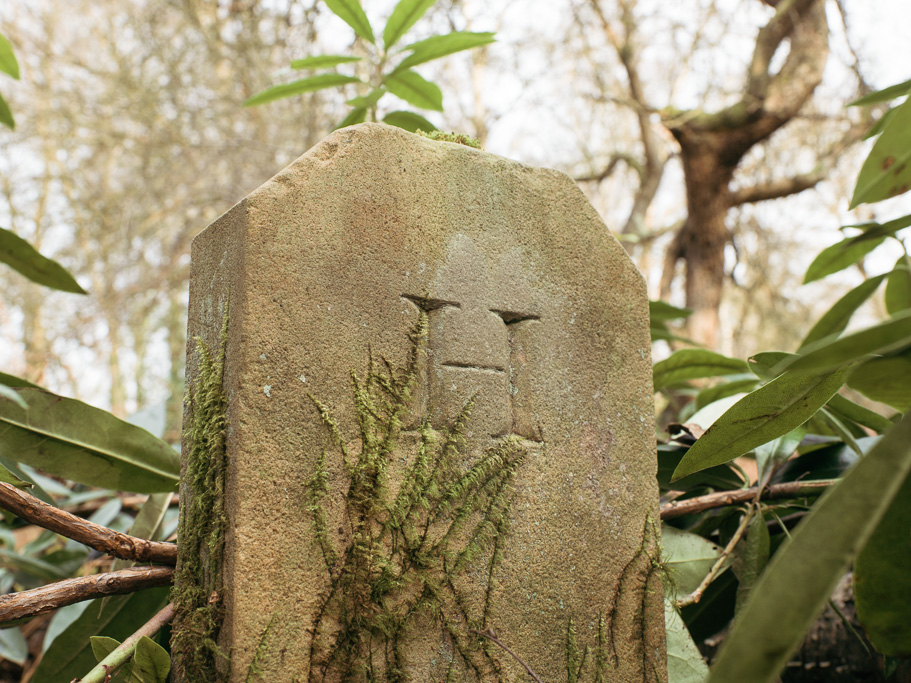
x=533 y=307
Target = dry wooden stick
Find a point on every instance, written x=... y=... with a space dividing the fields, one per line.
x=37 y=601
x=791 y=489
x=93 y=535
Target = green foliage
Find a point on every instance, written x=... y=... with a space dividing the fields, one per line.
x=406 y=550
x=886 y=172
x=24 y=258
x=198 y=594
x=457 y=138
x=386 y=71
x=688 y=364
x=10 y=66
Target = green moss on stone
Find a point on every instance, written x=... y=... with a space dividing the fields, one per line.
x=458 y=138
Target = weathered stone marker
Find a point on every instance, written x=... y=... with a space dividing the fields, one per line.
x=535 y=517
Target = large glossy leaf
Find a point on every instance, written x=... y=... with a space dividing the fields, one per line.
x=898 y=287
x=836 y=319
x=884 y=95
x=882 y=579
x=310 y=84
x=8 y=63
x=771 y=411
x=408 y=120
x=23 y=257
x=415 y=89
x=684 y=661
x=840 y=256
x=322 y=61
x=886 y=171
x=403 y=17
x=687 y=364
x=71 y=439
x=351 y=12
x=828 y=353
x=71 y=655
x=801 y=576
x=887 y=380
x=440 y=46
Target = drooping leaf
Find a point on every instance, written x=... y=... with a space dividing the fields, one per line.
x=684 y=661
x=368 y=100
x=322 y=61
x=839 y=429
x=152 y=660
x=771 y=411
x=771 y=455
x=355 y=116
x=408 y=120
x=801 y=576
x=13 y=381
x=440 y=46
x=687 y=364
x=752 y=558
x=23 y=257
x=661 y=311
x=764 y=364
x=887 y=380
x=73 y=440
x=416 y=90
x=403 y=17
x=70 y=656
x=351 y=12
x=858 y=414
x=836 y=319
x=883 y=95
x=8 y=63
x=882 y=579
x=898 y=287
x=890 y=335
x=839 y=256
x=309 y=84
x=886 y=171
x=6 y=116
x=719 y=391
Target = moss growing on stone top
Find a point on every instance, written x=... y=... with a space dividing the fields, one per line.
x=458 y=138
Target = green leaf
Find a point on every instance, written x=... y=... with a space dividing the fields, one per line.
x=839 y=429
x=661 y=311
x=416 y=90
x=721 y=477
x=684 y=661
x=687 y=557
x=39 y=568
x=886 y=172
x=310 y=84
x=898 y=286
x=10 y=478
x=152 y=660
x=765 y=363
x=7 y=393
x=836 y=319
x=22 y=256
x=6 y=116
x=752 y=558
x=883 y=95
x=13 y=646
x=880 y=124
x=13 y=381
x=102 y=646
x=408 y=120
x=322 y=61
x=355 y=116
x=839 y=256
x=8 y=63
x=887 y=380
x=770 y=456
x=859 y=414
x=368 y=100
x=771 y=411
x=403 y=17
x=803 y=573
x=720 y=391
x=828 y=353
x=70 y=656
x=351 y=12
x=687 y=364
x=71 y=439
x=440 y=46
x=882 y=579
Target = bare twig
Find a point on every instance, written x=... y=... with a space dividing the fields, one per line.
x=93 y=535
x=46 y=599
x=122 y=654
x=492 y=637
x=791 y=489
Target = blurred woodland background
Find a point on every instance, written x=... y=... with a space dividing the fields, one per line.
x=721 y=153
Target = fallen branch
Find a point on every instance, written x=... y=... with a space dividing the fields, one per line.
x=791 y=489
x=93 y=535
x=46 y=599
x=123 y=652
x=492 y=637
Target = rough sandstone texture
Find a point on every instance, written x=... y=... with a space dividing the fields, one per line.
x=532 y=305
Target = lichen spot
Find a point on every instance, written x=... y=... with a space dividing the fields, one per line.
x=267 y=390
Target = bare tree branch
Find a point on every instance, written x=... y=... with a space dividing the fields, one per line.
x=93 y=535
x=615 y=159
x=53 y=596
x=776 y=189
x=791 y=489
